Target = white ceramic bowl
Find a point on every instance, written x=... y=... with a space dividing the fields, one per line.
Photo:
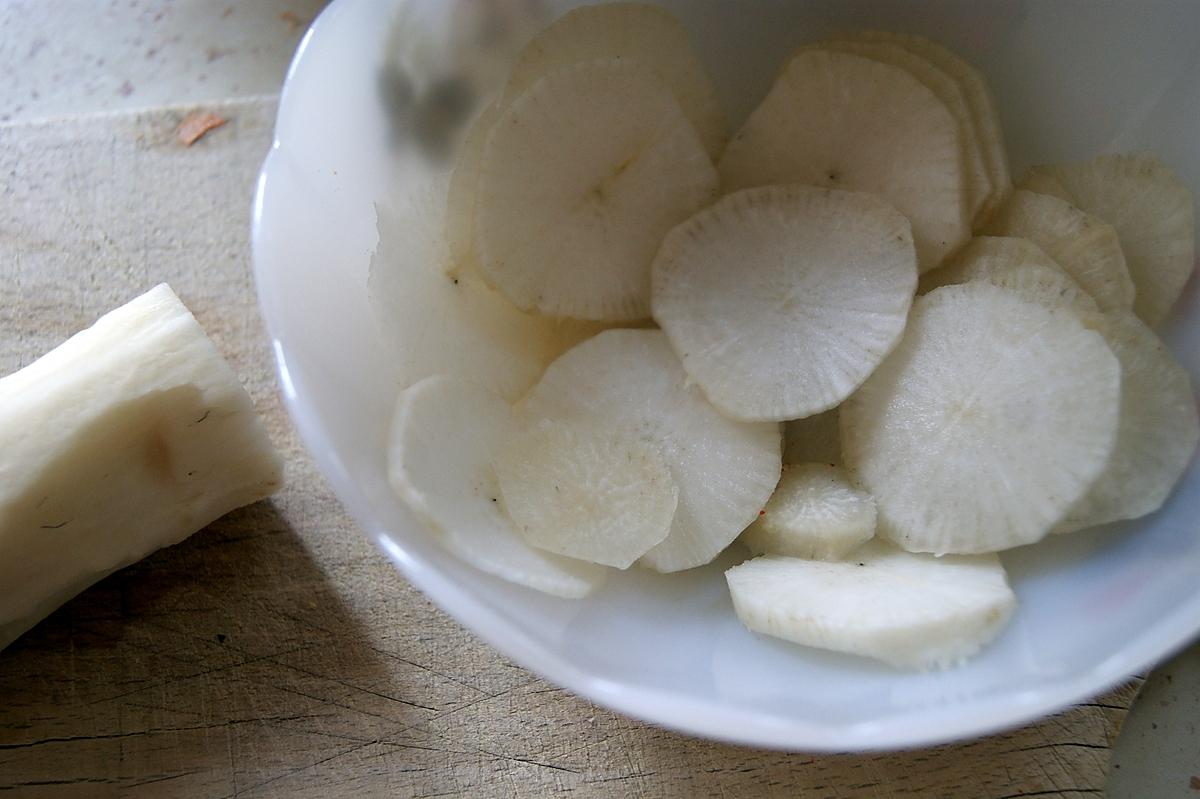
x=1095 y=607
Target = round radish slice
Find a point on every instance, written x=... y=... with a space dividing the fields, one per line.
x=1083 y=245
x=587 y=492
x=631 y=380
x=1158 y=430
x=781 y=300
x=444 y=439
x=1150 y=210
x=1018 y=265
x=462 y=191
x=979 y=101
x=582 y=176
x=979 y=181
x=637 y=32
x=990 y=420
x=847 y=122
x=435 y=323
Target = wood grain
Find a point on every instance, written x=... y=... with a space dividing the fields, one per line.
x=276 y=653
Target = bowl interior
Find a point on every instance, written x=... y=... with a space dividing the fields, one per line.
x=1095 y=607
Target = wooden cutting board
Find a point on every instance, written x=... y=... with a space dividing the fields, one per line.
x=277 y=653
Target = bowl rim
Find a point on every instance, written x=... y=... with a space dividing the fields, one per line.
x=966 y=719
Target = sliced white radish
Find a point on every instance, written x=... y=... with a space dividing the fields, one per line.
x=816 y=438
x=912 y=611
x=1083 y=245
x=990 y=420
x=645 y=34
x=582 y=176
x=437 y=323
x=637 y=32
x=725 y=470
x=1015 y=264
x=979 y=181
x=1148 y=207
x=587 y=492
x=462 y=193
x=781 y=300
x=815 y=513
x=843 y=121
x=979 y=100
x=1158 y=430
x=446 y=435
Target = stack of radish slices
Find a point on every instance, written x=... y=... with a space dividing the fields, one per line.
x=604 y=315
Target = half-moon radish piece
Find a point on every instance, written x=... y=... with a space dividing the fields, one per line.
x=912 y=611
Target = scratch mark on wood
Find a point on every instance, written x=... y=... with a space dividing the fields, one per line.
x=1104 y=706
x=1056 y=792
x=485 y=698
x=329 y=702
x=232 y=761
x=399 y=745
x=72 y=781
x=290 y=772
x=165 y=778
x=154 y=731
x=181 y=677
x=619 y=777
x=423 y=667
x=353 y=687
x=515 y=759
x=1055 y=744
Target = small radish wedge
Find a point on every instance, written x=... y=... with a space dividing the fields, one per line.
x=816 y=439
x=587 y=492
x=990 y=420
x=781 y=300
x=646 y=34
x=911 y=611
x=1018 y=265
x=1083 y=245
x=631 y=380
x=814 y=513
x=437 y=323
x=445 y=436
x=582 y=175
x=128 y=437
x=842 y=121
x=1148 y=207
